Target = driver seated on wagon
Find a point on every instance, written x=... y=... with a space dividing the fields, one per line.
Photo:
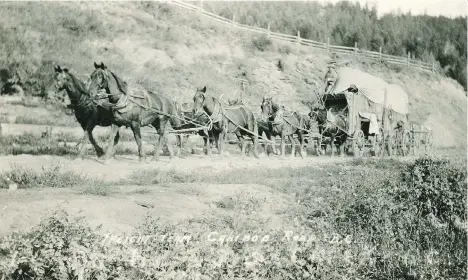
x=330 y=76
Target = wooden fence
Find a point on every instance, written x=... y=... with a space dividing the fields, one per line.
x=354 y=51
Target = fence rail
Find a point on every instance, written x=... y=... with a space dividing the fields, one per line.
x=354 y=51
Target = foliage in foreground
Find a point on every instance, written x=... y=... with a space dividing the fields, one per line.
x=50 y=177
x=386 y=222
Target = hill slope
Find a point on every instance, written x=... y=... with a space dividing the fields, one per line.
x=173 y=51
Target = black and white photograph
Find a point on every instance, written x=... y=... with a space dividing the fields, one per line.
x=219 y=140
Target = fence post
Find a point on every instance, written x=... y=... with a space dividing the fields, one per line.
x=355 y=49
x=233 y=19
x=298 y=37
x=408 y=60
x=433 y=67
x=380 y=54
x=328 y=44
x=268 y=33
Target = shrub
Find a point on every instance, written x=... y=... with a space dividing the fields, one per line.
x=261 y=43
x=436 y=188
x=51 y=177
x=408 y=217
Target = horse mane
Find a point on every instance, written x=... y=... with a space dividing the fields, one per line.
x=275 y=106
x=121 y=84
x=79 y=85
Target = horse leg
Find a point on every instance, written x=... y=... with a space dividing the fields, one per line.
x=302 y=144
x=268 y=146
x=162 y=136
x=207 y=142
x=213 y=138
x=293 y=146
x=83 y=143
x=221 y=137
x=170 y=148
x=254 y=137
x=241 y=143
x=98 y=149
x=135 y=126
x=255 y=145
x=116 y=141
x=110 y=147
x=283 y=140
x=342 y=153
x=179 y=144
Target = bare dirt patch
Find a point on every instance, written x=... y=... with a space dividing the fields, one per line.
x=125 y=207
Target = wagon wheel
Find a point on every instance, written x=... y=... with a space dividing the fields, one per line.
x=358 y=143
x=405 y=143
x=412 y=143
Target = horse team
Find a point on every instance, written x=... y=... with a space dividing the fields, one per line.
x=109 y=101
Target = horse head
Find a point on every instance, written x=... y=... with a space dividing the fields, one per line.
x=269 y=108
x=199 y=100
x=318 y=112
x=61 y=78
x=105 y=83
x=64 y=80
x=278 y=115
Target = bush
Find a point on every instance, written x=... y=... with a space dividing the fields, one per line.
x=59 y=248
x=261 y=43
x=412 y=220
x=51 y=177
x=436 y=188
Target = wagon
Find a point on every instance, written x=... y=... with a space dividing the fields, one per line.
x=373 y=110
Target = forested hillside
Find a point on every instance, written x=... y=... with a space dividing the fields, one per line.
x=428 y=38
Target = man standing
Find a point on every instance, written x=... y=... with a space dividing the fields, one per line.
x=330 y=76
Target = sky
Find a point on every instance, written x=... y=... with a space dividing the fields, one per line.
x=448 y=8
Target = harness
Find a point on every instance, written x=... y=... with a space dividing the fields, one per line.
x=122 y=106
x=220 y=113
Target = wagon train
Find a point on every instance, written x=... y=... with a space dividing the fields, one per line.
x=360 y=113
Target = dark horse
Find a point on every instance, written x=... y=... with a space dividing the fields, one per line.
x=87 y=113
x=264 y=128
x=196 y=121
x=134 y=111
x=332 y=124
x=239 y=121
x=281 y=123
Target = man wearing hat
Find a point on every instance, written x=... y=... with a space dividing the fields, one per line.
x=330 y=76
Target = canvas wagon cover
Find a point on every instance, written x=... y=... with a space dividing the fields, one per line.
x=373 y=89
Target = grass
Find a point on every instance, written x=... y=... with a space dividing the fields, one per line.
x=51 y=177
x=99 y=189
x=366 y=220
x=29 y=143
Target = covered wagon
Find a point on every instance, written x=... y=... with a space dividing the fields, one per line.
x=376 y=112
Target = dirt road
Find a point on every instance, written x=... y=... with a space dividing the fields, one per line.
x=122 y=166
